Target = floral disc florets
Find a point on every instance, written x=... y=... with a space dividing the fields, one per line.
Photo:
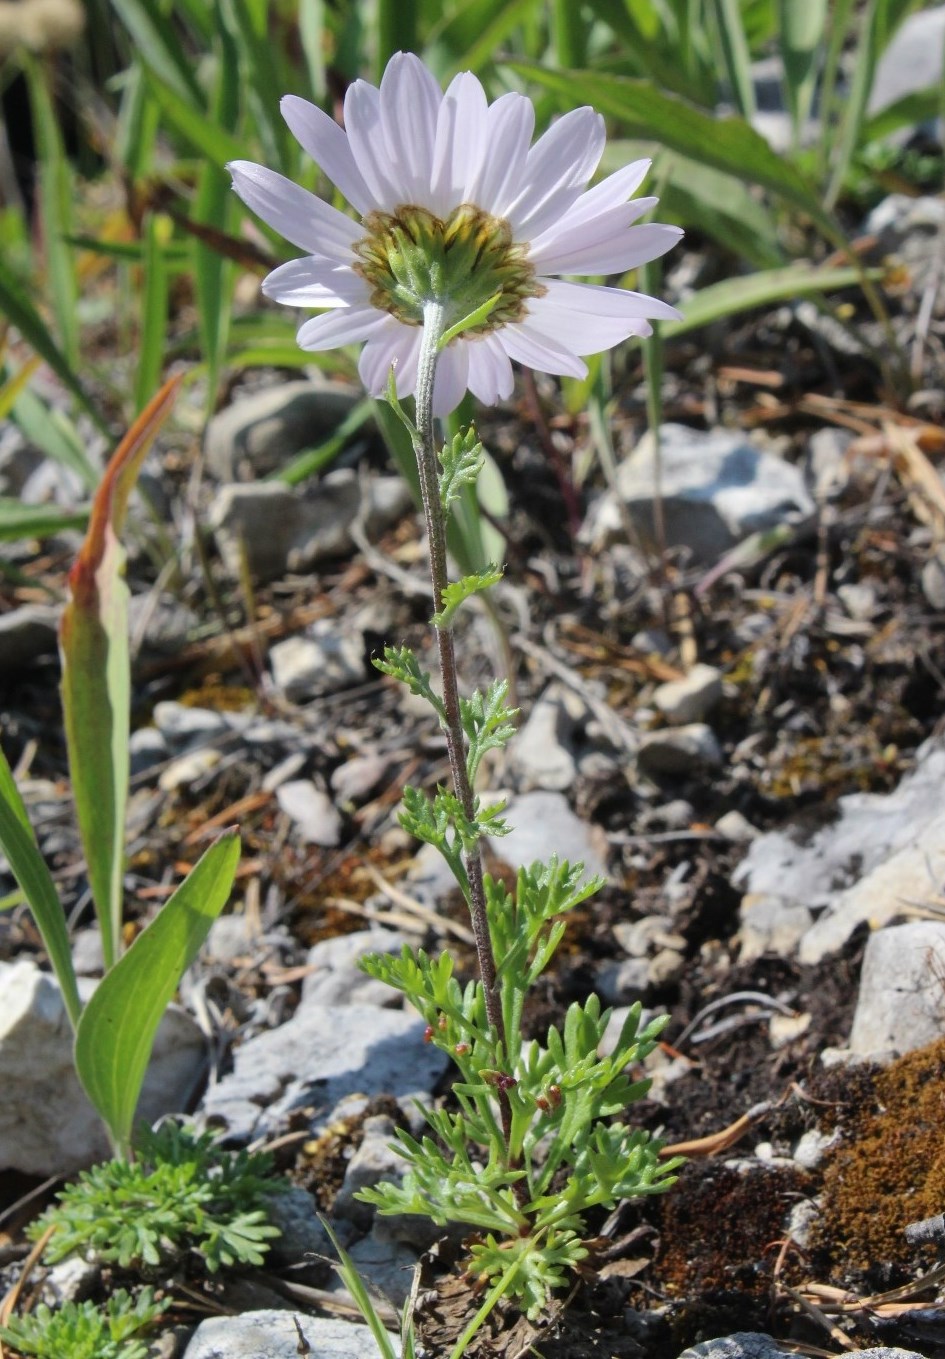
x=411 y=257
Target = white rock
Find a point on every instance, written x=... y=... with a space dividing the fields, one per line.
x=315 y=1059
x=691 y=698
x=357 y=778
x=933 y=581
x=899 y=1005
x=622 y=983
x=376 y=1159
x=184 y=728
x=679 y=750
x=187 y=769
x=274 y=1335
x=385 y=1262
x=881 y=851
x=336 y=979
x=311 y=811
x=544 y=824
x=911 y=61
x=716 y=489
x=47 y=1125
x=146 y=748
x=741 y=1345
x=736 y=828
x=330 y=656
x=540 y=754
x=771 y=925
x=812 y=1146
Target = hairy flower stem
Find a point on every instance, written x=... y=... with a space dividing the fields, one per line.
x=434 y=326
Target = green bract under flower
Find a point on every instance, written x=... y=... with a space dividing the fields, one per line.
x=411 y=257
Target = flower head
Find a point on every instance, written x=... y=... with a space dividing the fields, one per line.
x=457 y=208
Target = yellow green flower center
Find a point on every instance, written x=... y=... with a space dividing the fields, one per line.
x=411 y=257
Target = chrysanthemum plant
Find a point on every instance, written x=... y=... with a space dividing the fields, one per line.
x=447 y=275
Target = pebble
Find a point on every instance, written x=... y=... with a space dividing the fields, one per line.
x=622 y=983
x=770 y=925
x=355 y=780
x=541 y=753
x=28 y=633
x=314 y=1060
x=334 y=977
x=311 y=811
x=679 y=750
x=859 y=600
x=543 y=824
x=187 y=769
x=899 y=1004
x=146 y=748
x=327 y=658
x=637 y=938
x=933 y=581
x=736 y=828
x=691 y=698
x=376 y=1159
x=274 y=1335
x=812 y=1146
x=261 y=432
x=184 y=727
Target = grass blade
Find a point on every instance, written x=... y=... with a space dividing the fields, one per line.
x=735 y=55
x=734 y=295
x=19 y=521
x=802 y=36
x=154 y=301
x=156 y=42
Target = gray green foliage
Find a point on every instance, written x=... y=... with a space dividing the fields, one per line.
x=183 y=1195
x=81 y=1330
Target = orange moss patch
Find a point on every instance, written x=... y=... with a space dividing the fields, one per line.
x=890 y=1168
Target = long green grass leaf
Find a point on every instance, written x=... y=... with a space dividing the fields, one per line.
x=802 y=38
x=728 y=144
x=19 y=521
x=29 y=868
x=156 y=42
x=118 y=1026
x=19 y=310
x=96 y=682
x=735 y=295
x=53 y=433
x=735 y=55
x=154 y=302
x=56 y=199
x=207 y=138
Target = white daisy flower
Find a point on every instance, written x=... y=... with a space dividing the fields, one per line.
x=457 y=207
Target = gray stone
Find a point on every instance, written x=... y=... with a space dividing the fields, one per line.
x=188 y=768
x=742 y=1345
x=88 y=958
x=27 y=634
x=911 y=62
x=899 y=1005
x=679 y=750
x=47 y=1125
x=162 y=625
x=186 y=728
x=356 y=779
x=293 y=1211
x=52 y=483
x=334 y=977
x=544 y=824
x=282 y=529
x=311 y=811
x=275 y=1335
x=771 y=925
x=691 y=698
x=146 y=748
x=540 y=754
x=933 y=581
x=880 y=852
x=385 y=1262
x=812 y=1146
x=260 y=432
x=826 y=468
x=736 y=828
x=376 y=1159
x=638 y=938
x=717 y=488
x=328 y=657
x=315 y=1059
x=622 y=983
x=859 y=600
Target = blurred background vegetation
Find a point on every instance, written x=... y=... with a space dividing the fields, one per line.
x=123 y=251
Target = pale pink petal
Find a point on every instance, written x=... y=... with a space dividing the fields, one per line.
x=365 y=127
x=490 y=373
x=315 y=283
x=295 y=213
x=461 y=143
x=592 y=300
x=387 y=345
x=350 y=326
x=451 y=381
x=528 y=346
x=510 y=122
x=586 y=333
x=556 y=170
x=327 y=144
x=611 y=192
x=607 y=248
x=407 y=359
x=410 y=101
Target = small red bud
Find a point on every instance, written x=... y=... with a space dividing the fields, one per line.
x=554 y=1095
x=461 y=1049
x=506 y=1082
x=543 y=1104
x=441 y=1023
x=428 y=1033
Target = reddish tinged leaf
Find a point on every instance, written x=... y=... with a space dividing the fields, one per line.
x=93 y=641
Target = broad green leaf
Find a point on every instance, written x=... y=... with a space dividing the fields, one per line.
x=93 y=641
x=29 y=868
x=734 y=295
x=118 y=1025
x=51 y=431
x=19 y=521
x=917 y=107
x=19 y=310
x=728 y=144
